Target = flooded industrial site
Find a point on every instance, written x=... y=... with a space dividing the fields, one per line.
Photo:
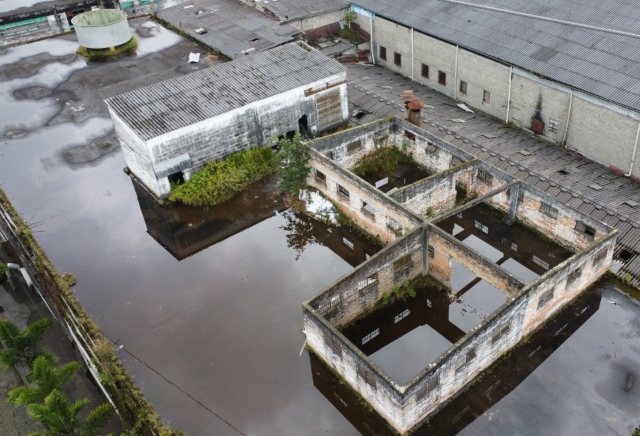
x=207 y=303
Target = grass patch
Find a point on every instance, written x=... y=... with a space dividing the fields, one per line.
x=222 y=180
x=383 y=160
x=104 y=53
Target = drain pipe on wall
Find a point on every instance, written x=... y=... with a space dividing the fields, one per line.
x=509 y=94
x=412 y=66
x=566 y=127
x=633 y=155
x=455 y=76
x=373 y=50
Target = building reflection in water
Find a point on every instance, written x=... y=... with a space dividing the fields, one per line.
x=496 y=383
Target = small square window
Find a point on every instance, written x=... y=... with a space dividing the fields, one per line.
x=545 y=297
x=583 y=228
x=463 y=87
x=485 y=176
x=548 y=210
x=486 y=96
x=354 y=146
x=397 y=59
x=442 y=78
x=425 y=71
x=431 y=251
x=383 y=53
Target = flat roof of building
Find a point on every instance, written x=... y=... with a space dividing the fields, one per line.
x=599 y=62
x=179 y=102
x=229 y=26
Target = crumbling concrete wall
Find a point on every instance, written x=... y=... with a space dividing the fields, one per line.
x=358 y=292
x=368 y=207
x=437 y=193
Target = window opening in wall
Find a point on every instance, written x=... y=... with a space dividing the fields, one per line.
x=625 y=255
x=463 y=87
x=553 y=125
x=486 y=96
x=333 y=344
x=366 y=375
x=431 y=251
x=383 y=53
x=409 y=135
x=471 y=354
x=442 y=78
x=455 y=161
x=369 y=281
x=425 y=71
x=485 y=176
x=431 y=385
x=321 y=178
x=397 y=59
x=370 y=336
x=354 y=146
x=335 y=300
x=399 y=317
x=343 y=194
x=573 y=276
x=330 y=155
x=545 y=297
x=402 y=268
x=368 y=211
x=394 y=226
x=548 y=210
x=583 y=228
x=600 y=257
x=431 y=148
x=176 y=178
x=500 y=332
x=540 y=262
x=290 y=135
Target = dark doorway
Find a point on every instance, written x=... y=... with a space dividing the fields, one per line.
x=303 y=125
x=176 y=178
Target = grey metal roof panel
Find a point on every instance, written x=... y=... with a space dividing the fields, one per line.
x=175 y=103
x=600 y=63
x=289 y=10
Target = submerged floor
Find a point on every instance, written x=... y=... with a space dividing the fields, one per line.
x=223 y=325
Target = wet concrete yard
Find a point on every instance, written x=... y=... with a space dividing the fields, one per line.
x=217 y=334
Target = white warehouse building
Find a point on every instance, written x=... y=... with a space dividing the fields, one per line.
x=171 y=129
x=568 y=70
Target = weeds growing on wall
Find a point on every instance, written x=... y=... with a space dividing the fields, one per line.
x=383 y=160
x=95 y=54
x=222 y=180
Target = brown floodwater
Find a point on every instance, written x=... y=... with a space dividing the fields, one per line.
x=223 y=324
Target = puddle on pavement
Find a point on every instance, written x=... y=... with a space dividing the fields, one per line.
x=224 y=324
x=515 y=248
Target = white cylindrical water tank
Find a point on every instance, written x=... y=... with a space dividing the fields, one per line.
x=103 y=28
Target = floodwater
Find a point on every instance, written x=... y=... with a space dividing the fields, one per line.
x=217 y=335
x=515 y=248
x=412 y=332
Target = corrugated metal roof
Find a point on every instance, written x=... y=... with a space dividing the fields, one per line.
x=289 y=10
x=231 y=26
x=600 y=63
x=175 y=103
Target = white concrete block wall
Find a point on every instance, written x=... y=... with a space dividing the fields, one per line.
x=597 y=129
x=482 y=74
x=319 y=20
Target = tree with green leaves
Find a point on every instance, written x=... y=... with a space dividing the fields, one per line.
x=60 y=417
x=21 y=346
x=47 y=377
x=294 y=164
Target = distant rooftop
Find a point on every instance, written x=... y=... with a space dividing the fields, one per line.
x=289 y=10
x=228 y=26
x=179 y=102
x=598 y=62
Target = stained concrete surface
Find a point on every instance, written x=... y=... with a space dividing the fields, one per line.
x=224 y=325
